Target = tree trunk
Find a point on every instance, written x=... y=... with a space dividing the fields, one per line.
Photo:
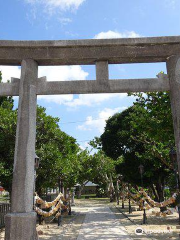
x=160 y=191
x=81 y=189
x=112 y=191
x=39 y=191
x=59 y=184
x=65 y=193
x=155 y=193
x=79 y=193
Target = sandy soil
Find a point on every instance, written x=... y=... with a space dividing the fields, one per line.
x=157 y=228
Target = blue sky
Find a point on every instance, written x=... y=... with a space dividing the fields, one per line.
x=83 y=116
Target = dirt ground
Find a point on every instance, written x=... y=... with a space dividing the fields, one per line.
x=165 y=227
x=157 y=228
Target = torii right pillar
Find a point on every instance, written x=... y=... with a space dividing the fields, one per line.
x=173 y=70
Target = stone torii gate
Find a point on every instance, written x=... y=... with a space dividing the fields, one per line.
x=21 y=222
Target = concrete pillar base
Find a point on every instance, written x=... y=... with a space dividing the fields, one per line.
x=20 y=226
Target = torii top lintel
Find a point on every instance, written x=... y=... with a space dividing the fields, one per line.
x=100 y=52
x=73 y=52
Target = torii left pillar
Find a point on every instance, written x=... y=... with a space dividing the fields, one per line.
x=20 y=224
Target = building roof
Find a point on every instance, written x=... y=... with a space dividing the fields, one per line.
x=88 y=184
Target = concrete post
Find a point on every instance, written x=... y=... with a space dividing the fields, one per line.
x=21 y=222
x=102 y=75
x=173 y=70
x=102 y=71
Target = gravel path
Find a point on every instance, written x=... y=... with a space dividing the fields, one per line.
x=101 y=223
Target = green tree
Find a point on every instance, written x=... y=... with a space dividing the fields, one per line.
x=7 y=139
x=141 y=135
x=95 y=167
x=57 y=150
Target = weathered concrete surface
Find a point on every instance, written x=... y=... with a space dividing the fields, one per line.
x=9 y=89
x=102 y=71
x=93 y=42
x=101 y=224
x=23 y=174
x=112 y=86
x=21 y=226
x=89 y=51
x=91 y=86
x=173 y=68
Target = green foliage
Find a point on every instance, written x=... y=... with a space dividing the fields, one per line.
x=57 y=151
x=94 y=167
x=7 y=139
x=153 y=119
x=142 y=134
x=177 y=202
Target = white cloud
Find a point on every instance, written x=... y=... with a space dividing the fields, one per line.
x=116 y=34
x=57 y=73
x=65 y=21
x=58 y=99
x=10 y=71
x=84 y=146
x=91 y=99
x=100 y=122
x=64 y=5
x=62 y=73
